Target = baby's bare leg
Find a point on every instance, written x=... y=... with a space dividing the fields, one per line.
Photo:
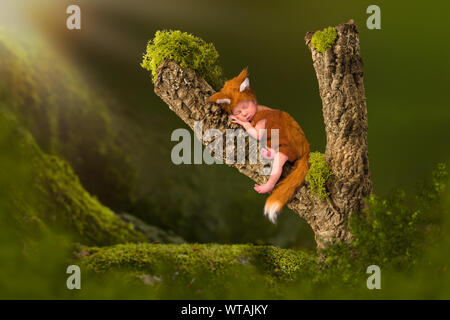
x=277 y=168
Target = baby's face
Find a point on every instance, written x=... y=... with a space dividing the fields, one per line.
x=245 y=110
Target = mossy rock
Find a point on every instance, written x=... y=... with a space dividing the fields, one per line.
x=212 y=266
x=44 y=191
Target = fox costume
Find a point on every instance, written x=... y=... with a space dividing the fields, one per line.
x=292 y=140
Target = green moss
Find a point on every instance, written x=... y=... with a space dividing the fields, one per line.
x=318 y=174
x=393 y=232
x=210 y=264
x=185 y=49
x=65 y=203
x=324 y=40
x=51 y=193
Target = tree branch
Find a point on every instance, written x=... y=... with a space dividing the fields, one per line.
x=340 y=75
x=339 y=72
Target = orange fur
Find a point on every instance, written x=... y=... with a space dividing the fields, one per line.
x=231 y=91
x=286 y=188
x=292 y=141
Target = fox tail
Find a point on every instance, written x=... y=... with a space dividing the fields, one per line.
x=286 y=189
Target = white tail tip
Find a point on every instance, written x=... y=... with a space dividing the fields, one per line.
x=271 y=211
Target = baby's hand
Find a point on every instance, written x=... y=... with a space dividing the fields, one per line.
x=235 y=120
x=268 y=153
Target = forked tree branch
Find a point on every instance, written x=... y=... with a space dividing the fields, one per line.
x=340 y=76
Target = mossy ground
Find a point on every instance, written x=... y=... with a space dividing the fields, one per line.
x=205 y=267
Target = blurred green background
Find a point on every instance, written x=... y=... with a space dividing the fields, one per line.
x=84 y=97
x=405 y=77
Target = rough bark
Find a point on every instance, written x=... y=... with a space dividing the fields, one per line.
x=340 y=76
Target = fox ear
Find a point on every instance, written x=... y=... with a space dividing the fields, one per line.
x=219 y=97
x=244 y=85
x=227 y=101
x=243 y=74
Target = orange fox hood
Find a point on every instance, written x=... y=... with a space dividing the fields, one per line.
x=235 y=90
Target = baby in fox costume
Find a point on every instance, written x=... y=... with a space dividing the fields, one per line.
x=239 y=100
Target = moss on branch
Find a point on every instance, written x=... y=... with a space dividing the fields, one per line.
x=318 y=174
x=324 y=40
x=186 y=50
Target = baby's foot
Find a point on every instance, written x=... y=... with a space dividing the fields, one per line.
x=267 y=187
x=267 y=154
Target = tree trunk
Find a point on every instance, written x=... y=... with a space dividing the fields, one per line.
x=340 y=76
